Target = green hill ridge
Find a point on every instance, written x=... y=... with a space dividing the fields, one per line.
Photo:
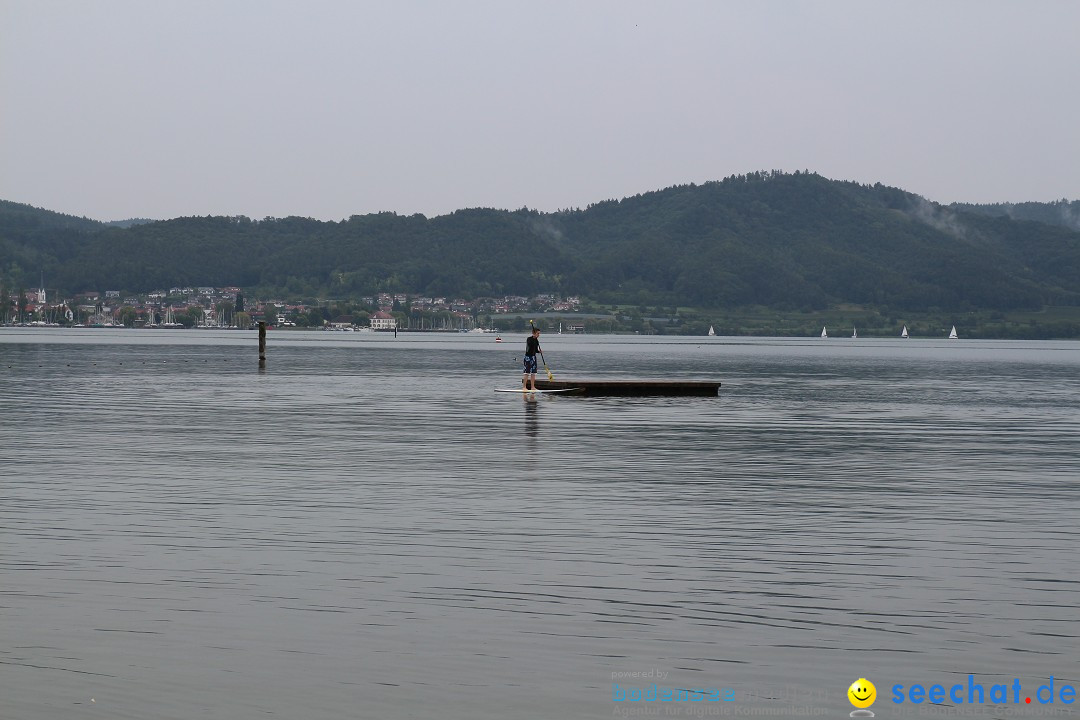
x=780 y=240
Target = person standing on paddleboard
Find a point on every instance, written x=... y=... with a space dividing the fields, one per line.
x=532 y=347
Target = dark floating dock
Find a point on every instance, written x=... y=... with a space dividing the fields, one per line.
x=633 y=388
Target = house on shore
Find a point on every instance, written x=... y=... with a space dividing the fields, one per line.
x=383 y=321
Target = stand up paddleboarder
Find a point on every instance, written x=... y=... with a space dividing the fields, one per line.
x=532 y=347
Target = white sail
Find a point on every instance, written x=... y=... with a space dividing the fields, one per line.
x=854 y=333
x=169 y=322
x=712 y=332
x=823 y=333
x=903 y=333
x=952 y=333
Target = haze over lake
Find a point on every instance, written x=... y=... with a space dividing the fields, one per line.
x=366 y=529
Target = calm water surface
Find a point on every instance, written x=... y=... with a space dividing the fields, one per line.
x=366 y=530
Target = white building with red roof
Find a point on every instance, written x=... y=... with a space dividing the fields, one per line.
x=383 y=321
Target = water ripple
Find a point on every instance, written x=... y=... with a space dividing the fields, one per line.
x=185 y=535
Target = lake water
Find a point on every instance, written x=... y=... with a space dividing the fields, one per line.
x=366 y=530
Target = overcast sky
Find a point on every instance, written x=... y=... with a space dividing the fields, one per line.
x=328 y=108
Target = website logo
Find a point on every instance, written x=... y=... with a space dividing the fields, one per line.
x=862 y=695
x=975 y=694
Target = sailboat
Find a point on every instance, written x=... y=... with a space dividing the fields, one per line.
x=854 y=334
x=952 y=333
x=712 y=331
x=823 y=333
x=903 y=333
x=169 y=322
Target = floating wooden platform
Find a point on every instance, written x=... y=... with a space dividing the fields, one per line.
x=635 y=388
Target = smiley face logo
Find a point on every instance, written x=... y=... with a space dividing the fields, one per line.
x=862 y=693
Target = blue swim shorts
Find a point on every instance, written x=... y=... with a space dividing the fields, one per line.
x=530 y=365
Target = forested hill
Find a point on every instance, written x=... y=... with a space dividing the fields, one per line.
x=1061 y=212
x=28 y=223
x=784 y=240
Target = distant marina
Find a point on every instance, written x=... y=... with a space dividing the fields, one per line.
x=209 y=308
x=225 y=308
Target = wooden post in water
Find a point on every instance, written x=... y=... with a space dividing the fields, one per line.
x=262 y=343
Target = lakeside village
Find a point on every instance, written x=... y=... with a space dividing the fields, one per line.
x=226 y=308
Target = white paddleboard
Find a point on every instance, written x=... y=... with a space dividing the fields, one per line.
x=519 y=390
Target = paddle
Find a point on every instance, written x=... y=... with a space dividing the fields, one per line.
x=551 y=378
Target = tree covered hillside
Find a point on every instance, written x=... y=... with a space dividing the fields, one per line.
x=803 y=240
x=796 y=241
x=1060 y=212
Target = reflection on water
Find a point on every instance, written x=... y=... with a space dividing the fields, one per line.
x=532 y=417
x=358 y=532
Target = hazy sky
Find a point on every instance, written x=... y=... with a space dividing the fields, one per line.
x=328 y=108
